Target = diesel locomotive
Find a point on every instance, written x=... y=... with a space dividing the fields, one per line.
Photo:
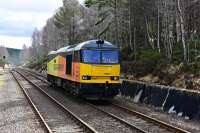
x=89 y=69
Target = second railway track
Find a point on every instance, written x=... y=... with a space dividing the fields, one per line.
x=131 y=119
x=54 y=116
x=146 y=123
x=100 y=121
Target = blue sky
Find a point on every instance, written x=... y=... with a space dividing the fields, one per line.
x=18 y=19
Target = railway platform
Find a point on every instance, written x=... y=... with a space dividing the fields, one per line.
x=16 y=115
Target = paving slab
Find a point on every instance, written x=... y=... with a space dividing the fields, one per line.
x=16 y=114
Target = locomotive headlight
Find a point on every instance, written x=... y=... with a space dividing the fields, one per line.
x=86 y=77
x=115 y=78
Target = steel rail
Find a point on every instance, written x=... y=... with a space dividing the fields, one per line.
x=152 y=120
x=34 y=75
x=31 y=71
x=47 y=128
x=119 y=119
x=115 y=117
x=140 y=115
x=87 y=127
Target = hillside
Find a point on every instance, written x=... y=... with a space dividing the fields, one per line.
x=152 y=67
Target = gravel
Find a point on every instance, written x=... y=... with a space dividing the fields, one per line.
x=57 y=120
x=192 y=126
x=96 y=119
x=16 y=115
x=142 y=124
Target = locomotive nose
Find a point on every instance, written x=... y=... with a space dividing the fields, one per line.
x=102 y=70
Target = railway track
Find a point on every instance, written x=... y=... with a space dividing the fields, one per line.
x=38 y=76
x=36 y=73
x=110 y=123
x=151 y=119
x=135 y=120
x=42 y=121
x=53 y=115
x=144 y=122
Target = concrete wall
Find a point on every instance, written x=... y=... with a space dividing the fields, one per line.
x=170 y=99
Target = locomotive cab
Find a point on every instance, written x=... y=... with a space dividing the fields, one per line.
x=100 y=71
x=90 y=69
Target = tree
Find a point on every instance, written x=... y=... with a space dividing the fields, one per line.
x=164 y=26
x=182 y=27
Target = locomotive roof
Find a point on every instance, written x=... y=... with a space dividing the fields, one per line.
x=92 y=44
x=52 y=52
x=62 y=49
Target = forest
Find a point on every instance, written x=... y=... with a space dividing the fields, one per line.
x=159 y=40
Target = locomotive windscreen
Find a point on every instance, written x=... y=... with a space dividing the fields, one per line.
x=100 y=56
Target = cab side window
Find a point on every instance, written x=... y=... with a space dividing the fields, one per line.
x=69 y=64
x=76 y=57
